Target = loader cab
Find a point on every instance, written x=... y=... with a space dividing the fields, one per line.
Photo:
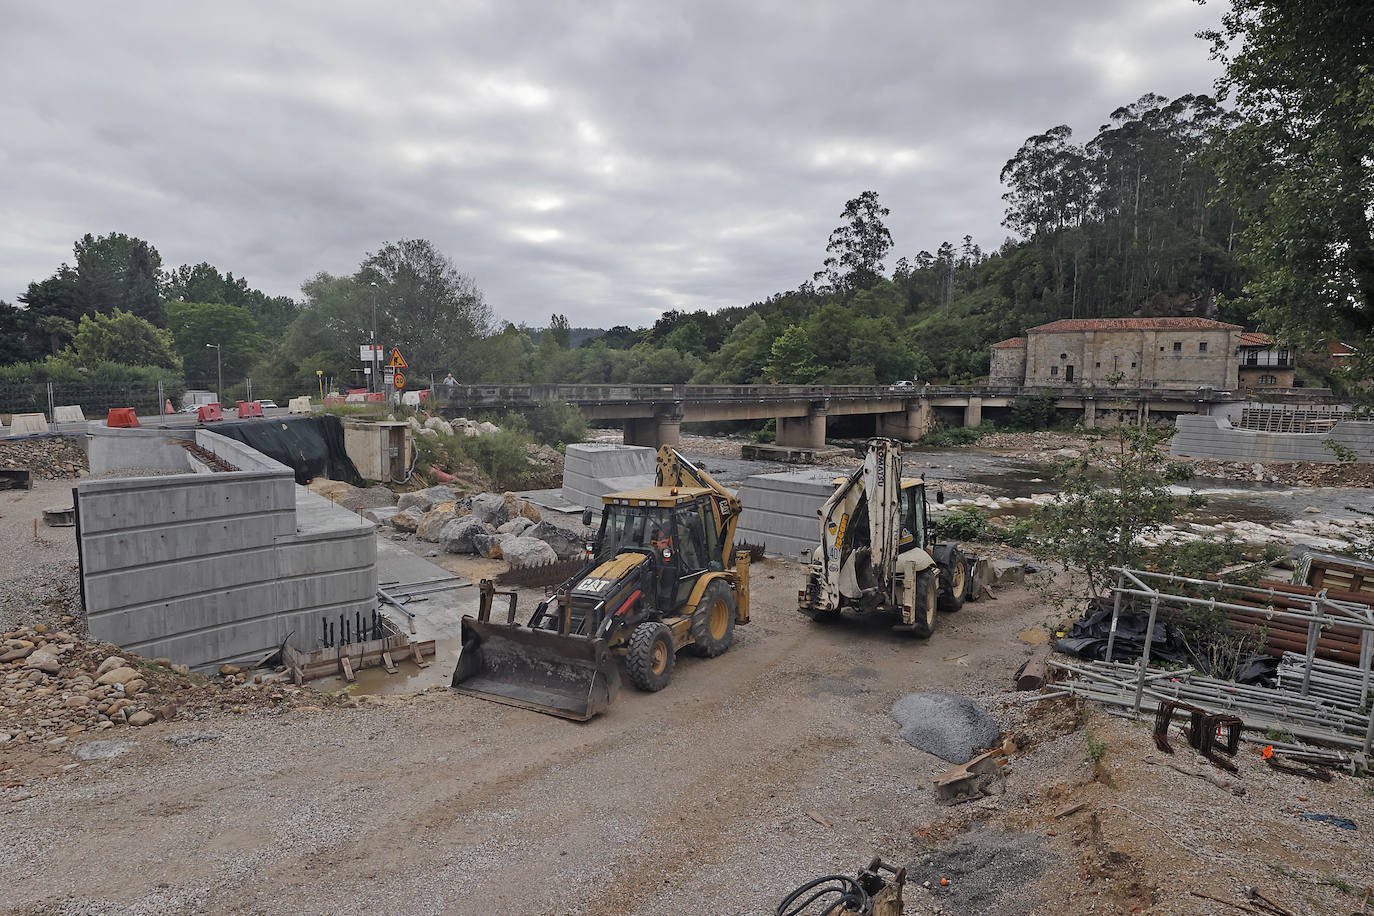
x=673 y=527
x=914 y=515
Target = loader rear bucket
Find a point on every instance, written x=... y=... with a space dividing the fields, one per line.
x=570 y=676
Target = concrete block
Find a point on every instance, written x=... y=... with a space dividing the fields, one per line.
x=591 y=470
x=298 y=405
x=780 y=510
x=28 y=424
x=70 y=414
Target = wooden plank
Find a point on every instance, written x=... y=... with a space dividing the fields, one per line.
x=346 y=668
x=388 y=663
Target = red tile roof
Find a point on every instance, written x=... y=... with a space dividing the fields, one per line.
x=1137 y=324
x=1010 y=343
x=1256 y=339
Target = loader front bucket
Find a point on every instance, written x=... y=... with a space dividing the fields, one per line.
x=570 y=676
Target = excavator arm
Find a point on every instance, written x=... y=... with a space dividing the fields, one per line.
x=675 y=470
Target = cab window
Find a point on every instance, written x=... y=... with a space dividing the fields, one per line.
x=690 y=538
x=913 y=518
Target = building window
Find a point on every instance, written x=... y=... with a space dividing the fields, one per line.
x=1268 y=380
x=1178 y=346
x=1132 y=365
x=1098 y=365
x=1054 y=370
x=1063 y=356
x=1202 y=346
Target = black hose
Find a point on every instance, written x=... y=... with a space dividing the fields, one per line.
x=846 y=891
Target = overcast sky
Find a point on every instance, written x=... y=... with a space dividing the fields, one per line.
x=604 y=160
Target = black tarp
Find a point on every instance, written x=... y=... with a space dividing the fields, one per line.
x=310 y=446
x=1088 y=639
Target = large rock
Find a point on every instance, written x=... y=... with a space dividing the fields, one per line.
x=434 y=522
x=486 y=429
x=121 y=675
x=948 y=725
x=516 y=525
x=521 y=552
x=457 y=536
x=382 y=515
x=488 y=545
x=490 y=508
x=43 y=660
x=408 y=519
x=565 y=543
x=426 y=499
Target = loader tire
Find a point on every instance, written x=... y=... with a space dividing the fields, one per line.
x=927 y=601
x=953 y=581
x=649 y=656
x=713 y=622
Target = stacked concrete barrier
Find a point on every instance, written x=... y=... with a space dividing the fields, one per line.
x=69 y=414
x=208 y=568
x=593 y=469
x=28 y=424
x=780 y=510
x=1214 y=437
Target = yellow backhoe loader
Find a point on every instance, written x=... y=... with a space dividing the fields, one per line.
x=877 y=551
x=662 y=575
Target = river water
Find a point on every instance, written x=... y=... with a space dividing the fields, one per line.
x=1254 y=511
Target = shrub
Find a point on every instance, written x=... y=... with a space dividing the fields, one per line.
x=557 y=423
x=967 y=523
x=955 y=436
x=768 y=434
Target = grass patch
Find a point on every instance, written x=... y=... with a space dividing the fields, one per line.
x=1094 y=749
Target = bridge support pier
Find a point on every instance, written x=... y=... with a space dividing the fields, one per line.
x=1089 y=414
x=973 y=413
x=909 y=424
x=803 y=432
x=663 y=428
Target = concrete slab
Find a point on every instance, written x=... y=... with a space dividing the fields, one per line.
x=437 y=617
x=552 y=500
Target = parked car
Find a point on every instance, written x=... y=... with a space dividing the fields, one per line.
x=265 y=403
x=903 y=385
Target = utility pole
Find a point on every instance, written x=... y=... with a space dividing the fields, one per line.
x=373 y=386
x=219 y=370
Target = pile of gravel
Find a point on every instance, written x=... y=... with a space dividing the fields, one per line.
x=950 y=726
x=986 y=869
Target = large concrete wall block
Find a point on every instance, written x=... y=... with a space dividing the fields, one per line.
x=118 y=505
x=188 y=614
x=110 y=450
x=310 y=556
x=118 y=587
x=157 y=545
x=1214 y=437
x=326 y=590
x=242 y=456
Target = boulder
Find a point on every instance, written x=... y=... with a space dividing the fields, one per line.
x=381 y=515
x=516 y=525
x=457 y=536
x=427 y=498
x=488 y=545
x=433 y=523
x=430 y=433
x=408 y=519
x=490 y=508
x=486 y=429
x=521 y=552
x=44 y=661
x=141 y=718
x=565 y=544
x=109 y=664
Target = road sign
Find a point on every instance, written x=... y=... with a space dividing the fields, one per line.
x=397 y=361
x=387 y=375
x=400 y=380
x=369 y=352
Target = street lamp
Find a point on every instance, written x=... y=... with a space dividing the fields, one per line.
x=219 y=369
x=374 y=386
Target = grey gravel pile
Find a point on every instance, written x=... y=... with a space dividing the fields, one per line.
x=950 y=726
x=985 y=870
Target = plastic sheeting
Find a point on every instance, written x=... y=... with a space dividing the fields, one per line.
x=1088 y=639
x=310 y=446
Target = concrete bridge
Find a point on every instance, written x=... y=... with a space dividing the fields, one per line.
x=653 y=414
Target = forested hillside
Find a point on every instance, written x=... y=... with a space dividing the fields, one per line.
x=1256 y=211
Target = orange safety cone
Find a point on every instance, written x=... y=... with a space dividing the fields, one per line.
x=168 y=407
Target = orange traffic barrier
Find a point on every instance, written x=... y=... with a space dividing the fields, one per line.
x=250 y=409
x=208 y=412
x=122 y=417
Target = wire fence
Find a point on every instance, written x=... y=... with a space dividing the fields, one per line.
x=95 y=400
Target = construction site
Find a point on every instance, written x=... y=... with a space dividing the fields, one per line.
x=276 y=663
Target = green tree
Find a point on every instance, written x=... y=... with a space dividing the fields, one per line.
x=1300 y=74
x=433 y=313
x=857 y=247
x=791 y=359
x=559 y=332
x=118 y=271
x=193 y=325
x=123 y=338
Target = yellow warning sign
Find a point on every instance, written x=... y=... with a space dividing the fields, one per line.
x=397 y=361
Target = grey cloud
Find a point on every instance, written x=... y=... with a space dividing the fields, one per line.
x=603 y=160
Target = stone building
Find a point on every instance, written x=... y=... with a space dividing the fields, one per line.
x=1144 y=352
x=1264 y=363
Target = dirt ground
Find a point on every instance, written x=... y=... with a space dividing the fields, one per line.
x=749 y=775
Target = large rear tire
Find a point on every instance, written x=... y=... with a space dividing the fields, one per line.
x=649 y=657
x=953 y=581
x=927 y=601
x=713 y=622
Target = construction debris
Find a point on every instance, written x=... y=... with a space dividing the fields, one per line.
x=980 y=777
x=46 y=457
